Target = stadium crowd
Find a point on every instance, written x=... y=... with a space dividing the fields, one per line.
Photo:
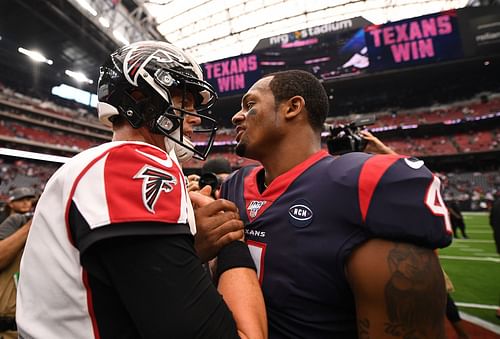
x=29 y=123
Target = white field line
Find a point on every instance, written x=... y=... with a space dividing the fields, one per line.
x=481 y=306
x=479 y=232
x=474 y=241
x=478 y=321
x=474 y=213
x=453 y=257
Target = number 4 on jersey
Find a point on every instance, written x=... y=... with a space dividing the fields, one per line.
x=435 y=203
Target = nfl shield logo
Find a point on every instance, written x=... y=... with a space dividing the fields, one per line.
x=254 y=207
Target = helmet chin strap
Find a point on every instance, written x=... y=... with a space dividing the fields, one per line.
x=182 y=153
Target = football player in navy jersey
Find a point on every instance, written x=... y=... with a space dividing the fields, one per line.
x=112 y=251
x=343 y=245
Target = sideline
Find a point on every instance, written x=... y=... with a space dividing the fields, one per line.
x=453 y=257
x=474 y=241
x=481 y=306
x=480 y=232
x=479 y=322
x=475 y=213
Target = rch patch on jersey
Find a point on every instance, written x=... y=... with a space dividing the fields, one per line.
x=154 y=182
x=300 y=214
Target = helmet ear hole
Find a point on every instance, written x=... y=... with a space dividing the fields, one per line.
x=133 y=117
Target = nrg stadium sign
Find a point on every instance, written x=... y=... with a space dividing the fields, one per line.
x=307 y=33
x=310 y=32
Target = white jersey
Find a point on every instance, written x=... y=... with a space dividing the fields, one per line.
x=116 y=182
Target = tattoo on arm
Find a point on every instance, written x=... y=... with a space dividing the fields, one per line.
x=415 y=294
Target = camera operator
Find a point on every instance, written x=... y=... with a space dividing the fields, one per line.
x=374 y=145
x=354 y=137
x=13 y=233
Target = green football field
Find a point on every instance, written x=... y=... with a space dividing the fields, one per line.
x=473 y=265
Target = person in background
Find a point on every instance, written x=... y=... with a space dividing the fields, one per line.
x=22 y=204
x=452 y=313
x=374 y=145
x=213 y=173
x=495 y=225
x=13 y=233
x=115 y=236
x=457 y=219
x=343 y=245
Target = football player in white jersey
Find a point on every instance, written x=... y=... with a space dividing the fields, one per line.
x=112 y=250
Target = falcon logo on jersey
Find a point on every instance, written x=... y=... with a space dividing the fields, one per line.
x=300 y=213
x=254 y=207
x=155 y=181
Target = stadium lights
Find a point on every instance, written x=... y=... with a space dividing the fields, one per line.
x=87 y=6
x=37 y=56
x=79 y=76
x=73 y=93
x=120 y=37
x=104 y=22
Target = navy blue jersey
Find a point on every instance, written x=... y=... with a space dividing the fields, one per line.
x=303 y=227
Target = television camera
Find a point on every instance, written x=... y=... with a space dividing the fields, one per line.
x=343 y=139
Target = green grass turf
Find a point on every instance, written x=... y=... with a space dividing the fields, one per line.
x=475 y=281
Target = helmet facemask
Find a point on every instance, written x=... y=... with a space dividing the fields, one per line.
x=171 y=121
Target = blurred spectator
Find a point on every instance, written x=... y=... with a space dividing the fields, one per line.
x=13 y=234
x=452 y=311
x=495 y=221
x=457 y=219
x=374 y=145
x=495 y=224
x=20 y=201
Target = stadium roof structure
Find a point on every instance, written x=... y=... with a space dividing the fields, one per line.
x=217 y=29
x=67 y=37
x=75 y=36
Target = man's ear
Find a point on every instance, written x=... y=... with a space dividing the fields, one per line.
x=294 y=106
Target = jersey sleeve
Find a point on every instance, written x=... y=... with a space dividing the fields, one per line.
x=128 y=186
x=400 y=199
x=395 y=198
x=154 y=287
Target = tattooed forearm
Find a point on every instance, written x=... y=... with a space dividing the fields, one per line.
x=364 y=329
x=415 y=294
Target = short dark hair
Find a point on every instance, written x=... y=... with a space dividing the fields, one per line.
x=287 y=84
